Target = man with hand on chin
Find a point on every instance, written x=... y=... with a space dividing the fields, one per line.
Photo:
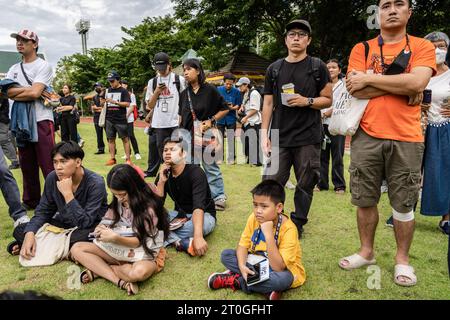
x=73 y=197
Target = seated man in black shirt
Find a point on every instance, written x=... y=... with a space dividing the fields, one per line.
x=73 y=197
x=186 y=184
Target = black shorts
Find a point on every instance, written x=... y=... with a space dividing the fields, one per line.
x=113 y=129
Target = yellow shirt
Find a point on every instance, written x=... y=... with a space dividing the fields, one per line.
x=288 y=246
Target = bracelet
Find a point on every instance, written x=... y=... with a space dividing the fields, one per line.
x=213 y=121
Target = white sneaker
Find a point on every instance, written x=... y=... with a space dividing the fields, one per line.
x=21 y=220
x=290 y=185
x=138 y=156
x=81 y=143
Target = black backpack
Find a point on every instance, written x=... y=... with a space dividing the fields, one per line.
x=176 y=82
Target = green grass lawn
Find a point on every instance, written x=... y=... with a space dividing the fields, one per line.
x=330 y=234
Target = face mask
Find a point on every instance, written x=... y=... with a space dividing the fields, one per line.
x=440 y=56
x=98 y=90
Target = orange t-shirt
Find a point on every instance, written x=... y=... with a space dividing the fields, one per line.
x=390 y=117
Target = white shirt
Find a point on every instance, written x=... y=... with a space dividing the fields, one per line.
x=38 y=71
x=254 y=103
x=440 y=87
x=338 y=88
x=131 y=107
x=169 y=99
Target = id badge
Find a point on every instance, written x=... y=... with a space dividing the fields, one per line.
x=164 y=107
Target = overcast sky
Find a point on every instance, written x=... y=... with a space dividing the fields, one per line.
x=54 y=22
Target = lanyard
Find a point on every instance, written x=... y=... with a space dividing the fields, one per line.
x=194 y=116
x=381 y=44
x=277 y=233
x=168 y=84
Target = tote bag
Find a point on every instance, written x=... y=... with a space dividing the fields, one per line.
x=347 y=114
x=102 y=117
x=52 y=246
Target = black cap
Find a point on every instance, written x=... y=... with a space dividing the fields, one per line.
x=113 y=75
x=161 y=61
x=98 y=84
x=124 y=82
x=300 y=24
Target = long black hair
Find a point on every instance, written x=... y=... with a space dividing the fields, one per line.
x=197 y=65
x=123 y=177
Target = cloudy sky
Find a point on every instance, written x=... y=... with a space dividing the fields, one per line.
x=54 y=22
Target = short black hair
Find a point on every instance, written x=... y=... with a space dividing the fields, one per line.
x=174 y=139
x=68 y=150
x=229 y=76
x=409 y=3
x=272 y=189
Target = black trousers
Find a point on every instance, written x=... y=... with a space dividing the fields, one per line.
x=99 y=132
x=306 y=162
x=79 y=235
x=68 y=128
x=132 y=137
x=161 y=135
x=231 y=138
x=154 y=160
x=335 y=149
x=252 y=147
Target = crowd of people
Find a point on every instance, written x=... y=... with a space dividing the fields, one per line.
x=285 y=126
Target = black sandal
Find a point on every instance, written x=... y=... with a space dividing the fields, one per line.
x=10 y=247
x=131 y=288
x=91 y=276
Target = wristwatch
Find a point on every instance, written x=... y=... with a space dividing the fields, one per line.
x=310 y=102
x=213 y=121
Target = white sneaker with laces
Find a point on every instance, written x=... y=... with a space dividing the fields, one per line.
x=20 y=221
x=138 y=156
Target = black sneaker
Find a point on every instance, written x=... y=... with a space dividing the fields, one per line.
x=390 y=222
x=444 y=226
x=100 y=152
x=14 y=165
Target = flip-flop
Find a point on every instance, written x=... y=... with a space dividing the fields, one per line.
x=356 y=261
x=403 y=270
x=11 y=246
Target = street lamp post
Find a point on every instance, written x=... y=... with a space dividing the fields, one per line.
x=83 y=27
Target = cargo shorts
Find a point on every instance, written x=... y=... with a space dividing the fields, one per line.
x=373 y=160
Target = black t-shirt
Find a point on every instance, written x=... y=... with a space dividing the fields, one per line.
x=190 y=191
x=96 y=101
x=207 y=102
x=114 y=113
x=297 y=126
x=4 y=111
x=67 y=101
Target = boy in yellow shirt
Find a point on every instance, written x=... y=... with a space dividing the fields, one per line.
x=270 y=234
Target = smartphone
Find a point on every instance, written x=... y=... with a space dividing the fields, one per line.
x=255 y=277
x=162 y=85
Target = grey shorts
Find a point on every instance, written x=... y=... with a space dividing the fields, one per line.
x=113 y=129
x=373 y=160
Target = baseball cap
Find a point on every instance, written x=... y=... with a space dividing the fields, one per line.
x=161 y=60
x=300 y=24
x=243 y=80
x=26 y=34
x=98 y=84
x=113 y=75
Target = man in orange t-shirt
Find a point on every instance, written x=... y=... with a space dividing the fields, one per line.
x=389 y=143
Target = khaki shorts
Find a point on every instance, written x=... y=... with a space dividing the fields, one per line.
x=373 y=160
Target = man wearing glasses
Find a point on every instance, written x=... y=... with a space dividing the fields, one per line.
x=296 y=89
x=117 y=101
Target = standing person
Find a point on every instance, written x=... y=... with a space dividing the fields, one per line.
x=389 y=143
x=154 y=159
x=163 y=98
x=209 y=107
x=251 y=121
x=34 y=75
x=131 y=120
x=68 y=124
x=6 y=139
x=96 y=110
x=134 y=207
x=298 y=120
x=117 y=101
x=233 y=98
x=333 y=146
x=436 y=162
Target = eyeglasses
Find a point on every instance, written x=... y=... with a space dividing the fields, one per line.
x=293 y=34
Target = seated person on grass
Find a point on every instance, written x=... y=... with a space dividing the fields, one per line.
x=73 y=197
x=187 y=185
x=270 y=234
x=129 y=242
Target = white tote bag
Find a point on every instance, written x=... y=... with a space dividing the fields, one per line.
x=102 y=117
x=347 y=114
x=52 y=246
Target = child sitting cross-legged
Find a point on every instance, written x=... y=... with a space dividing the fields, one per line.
x=269 y=235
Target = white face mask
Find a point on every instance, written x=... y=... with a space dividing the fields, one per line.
x=440 y=56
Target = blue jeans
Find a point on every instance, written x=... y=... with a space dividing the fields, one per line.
x=10 y=190
x=212 y=170
x=278 y=281
x=187 y=230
